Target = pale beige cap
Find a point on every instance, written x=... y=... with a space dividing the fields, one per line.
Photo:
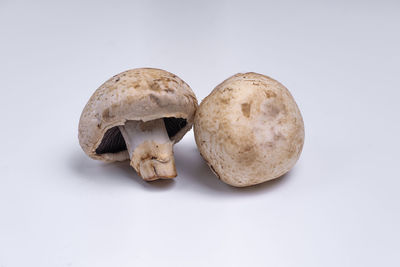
x=139 y=94
x=249 y=129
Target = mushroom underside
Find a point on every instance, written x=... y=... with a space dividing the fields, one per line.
x=114 y=142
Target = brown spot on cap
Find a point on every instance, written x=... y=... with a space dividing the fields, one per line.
x=225 y=100
x=270 y=94
x=155 y=99
x=106 y=114
x=272 y=111
x=246 y=108
x=155 y=86
x=169 y=90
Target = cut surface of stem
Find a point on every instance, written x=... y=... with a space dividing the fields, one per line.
x=149 y=148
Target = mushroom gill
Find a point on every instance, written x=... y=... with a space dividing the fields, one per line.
x=113 y=141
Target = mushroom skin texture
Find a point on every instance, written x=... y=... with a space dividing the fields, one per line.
x=249 y=130
x=139 y=115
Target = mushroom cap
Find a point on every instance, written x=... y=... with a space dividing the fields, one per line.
x=138 y=94
x=249 y=129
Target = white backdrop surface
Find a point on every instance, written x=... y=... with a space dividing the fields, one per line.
x=339 y=206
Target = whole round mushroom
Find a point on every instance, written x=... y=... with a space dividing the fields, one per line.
x=249 y=130
x=139 y=115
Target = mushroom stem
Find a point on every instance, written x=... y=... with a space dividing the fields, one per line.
x=150 y=149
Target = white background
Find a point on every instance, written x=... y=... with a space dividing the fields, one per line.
x=339 y=206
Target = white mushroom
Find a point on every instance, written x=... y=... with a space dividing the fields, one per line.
x=139 y=115
x=249 y=130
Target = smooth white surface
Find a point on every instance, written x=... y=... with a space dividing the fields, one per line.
x=339 y=206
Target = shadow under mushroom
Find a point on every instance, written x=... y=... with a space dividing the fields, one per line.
x=194 y=170
x=109 y=174
x=194 y=175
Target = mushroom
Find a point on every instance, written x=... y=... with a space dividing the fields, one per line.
x=249 y=130
x=139 y=115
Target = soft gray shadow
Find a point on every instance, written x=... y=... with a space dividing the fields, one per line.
x=115 y=173
x=192 y=167
x=194 y=175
